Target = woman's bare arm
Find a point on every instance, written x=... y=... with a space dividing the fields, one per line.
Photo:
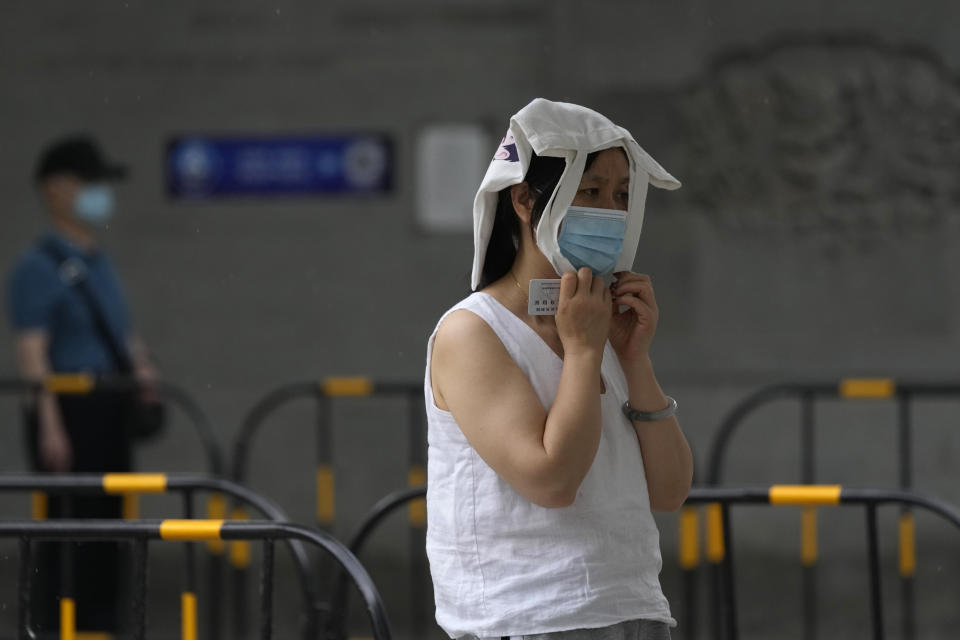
x=544 y=455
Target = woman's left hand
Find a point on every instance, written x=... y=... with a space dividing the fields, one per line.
x=631 y=330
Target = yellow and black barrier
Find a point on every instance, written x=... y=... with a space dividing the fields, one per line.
x=718 y=541
x=688 y=559
x=323 y=393
x=808 y=393
x=85 y=384
x=173 y=396
x=808 y=497
x=409 y=496
x=901 y=393
x=131 y=485
x=142 y=532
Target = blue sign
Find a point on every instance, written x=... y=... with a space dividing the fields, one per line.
x=210 y=167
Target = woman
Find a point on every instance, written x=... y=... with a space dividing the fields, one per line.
x=540 y=487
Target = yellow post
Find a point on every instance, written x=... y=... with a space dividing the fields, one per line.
x=417 y=509
x=239 y=549
x=38 y=505
x=715 y=549
x=68 y=619
x=326 y=497
x=808 y=531
x=131 y=506
x=689 y=538
x=216 y=510
x=188 y=616
x=908 y=546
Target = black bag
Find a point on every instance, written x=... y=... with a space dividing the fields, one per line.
x=146 y=419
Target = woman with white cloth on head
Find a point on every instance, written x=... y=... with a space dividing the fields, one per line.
x=550 y=440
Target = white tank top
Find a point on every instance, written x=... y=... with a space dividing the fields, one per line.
x=504 y=566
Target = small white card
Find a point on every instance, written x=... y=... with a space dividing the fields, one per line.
x=544 y=294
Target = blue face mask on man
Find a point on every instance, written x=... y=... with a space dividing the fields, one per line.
x=593 y=238
x=94 y=204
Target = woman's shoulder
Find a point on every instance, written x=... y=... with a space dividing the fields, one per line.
x=466 y=350
x=466 y=330
x=463 y=324
x=473 y=305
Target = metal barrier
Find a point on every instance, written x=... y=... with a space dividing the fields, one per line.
x=83 y=384
x=719 y=531
x=131 y=485
x=903 y=393
x=688 y=559
x=719 y=536
x=383 y=507
x=140 y=533
x=322 y=393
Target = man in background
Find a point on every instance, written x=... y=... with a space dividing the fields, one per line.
x=70 y=315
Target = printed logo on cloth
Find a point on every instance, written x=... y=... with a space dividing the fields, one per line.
x=508 y=149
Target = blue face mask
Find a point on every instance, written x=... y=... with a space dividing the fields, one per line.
x=593 y=238
x=94 y=204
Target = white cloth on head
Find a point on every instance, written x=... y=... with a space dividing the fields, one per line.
x=571 y=132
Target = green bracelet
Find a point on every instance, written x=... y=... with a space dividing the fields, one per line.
x=650 y=416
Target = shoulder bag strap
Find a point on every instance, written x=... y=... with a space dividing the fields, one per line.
x=73 y=273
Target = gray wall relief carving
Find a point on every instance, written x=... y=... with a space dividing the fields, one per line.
x=839 y=138
x=819 y=208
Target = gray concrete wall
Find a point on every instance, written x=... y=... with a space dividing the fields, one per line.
x=814 y=238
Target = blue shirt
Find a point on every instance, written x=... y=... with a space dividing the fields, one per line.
x=37 y=298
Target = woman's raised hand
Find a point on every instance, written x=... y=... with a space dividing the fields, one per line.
x=583 y=312
x=632 y=330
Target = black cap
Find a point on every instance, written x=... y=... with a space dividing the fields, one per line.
x=79 y=156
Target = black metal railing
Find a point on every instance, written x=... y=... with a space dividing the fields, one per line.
x=84 y=384
x=323 y=393
x=140 y=533
x=132 y=485
x=902 y=394
x=719 y=537
x=720 y=533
